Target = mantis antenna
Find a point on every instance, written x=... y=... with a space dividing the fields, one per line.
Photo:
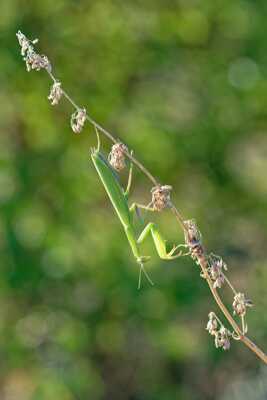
x=142 y=269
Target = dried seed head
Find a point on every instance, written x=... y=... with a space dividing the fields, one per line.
x=55 y=93
x=222 y=338
x=116 y=156
x=193 y=240
x=78 y=119
x=192 y=233
x=32 y=59
x=212 y=325
x=161 y=197
x=24 y=43
x=216 y=266
x=240 y=304
x=36 y=61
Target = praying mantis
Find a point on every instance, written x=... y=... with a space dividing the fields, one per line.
x=119 y=199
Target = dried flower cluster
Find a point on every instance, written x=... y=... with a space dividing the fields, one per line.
x=212 y=266
x=221 y=335
x=193 y=239
x=78 y=119
x=240 y=304
x=161 y=197
x=55 y=93
x=222 y=338
x=215 y=269
x=116 y=156
x=212 y=325
x=33 y=60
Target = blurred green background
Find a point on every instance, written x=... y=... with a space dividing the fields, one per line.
x=183 y=83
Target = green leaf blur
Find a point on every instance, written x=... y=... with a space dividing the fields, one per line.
x=184 y=84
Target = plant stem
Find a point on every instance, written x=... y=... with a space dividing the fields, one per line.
x=229 y=283
x=201 y=259
x=230 y=319
x=202 y=262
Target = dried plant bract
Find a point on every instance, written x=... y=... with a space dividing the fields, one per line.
x=32 y=59
x=161 y=197
x=216 y=267
x=55 y=93
x=240 y=304
x=116 y=156
x=77 y=121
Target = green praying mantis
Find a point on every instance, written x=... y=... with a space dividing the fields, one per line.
x=119 y=199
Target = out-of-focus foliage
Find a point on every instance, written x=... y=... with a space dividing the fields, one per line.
x=183 y=83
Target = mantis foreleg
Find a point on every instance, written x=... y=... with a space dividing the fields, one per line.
x=159 y=242
x=135 y=208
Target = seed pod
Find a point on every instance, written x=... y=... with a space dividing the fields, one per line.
x=216 y=266
x=116 y=156
x=161 y=197
x=192 y=233
x=77 y=120
x=222 y=338
x=240 y=304
x=193 y=239
x=55 y=93
x=212 y=325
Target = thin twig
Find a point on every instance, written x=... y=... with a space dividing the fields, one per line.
x=243 y=338
x=180 y=219
x=201 y=259
x=202 y=262
x=106 y=133
x=229 y=284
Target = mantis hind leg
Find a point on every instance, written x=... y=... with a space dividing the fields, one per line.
x=159 y=242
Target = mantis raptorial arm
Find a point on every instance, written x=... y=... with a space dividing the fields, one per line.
x=134 y=206
x=159 y=242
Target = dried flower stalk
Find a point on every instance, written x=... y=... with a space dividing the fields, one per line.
x=211 y=266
